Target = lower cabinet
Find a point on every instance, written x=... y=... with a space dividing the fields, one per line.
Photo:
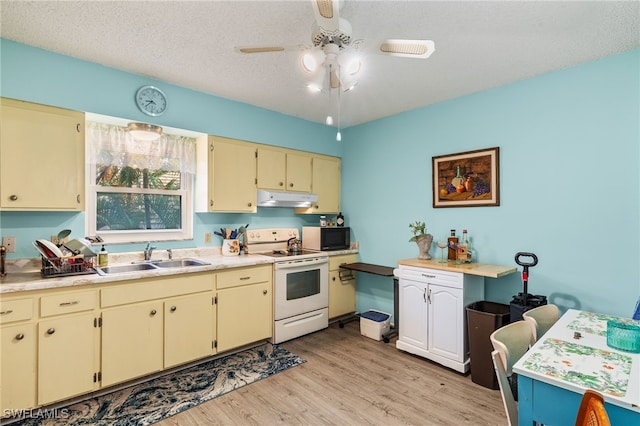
x=432 y=314
x=17 y=367
x=245 y=306
x=342 y=286
x=66 y=357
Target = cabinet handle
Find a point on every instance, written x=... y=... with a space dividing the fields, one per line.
x=51 y=331
x=78 y=127
x=334 y=278
x=153 y=312
x=428 y=276
x=264 y=291
x=424 y=295
x=249 y=205
x=281 y=184
x=291 y=185
x=75 y=302
x=211 y=203
x=19 y=336
x=13 y=197
x=78 y=198
x=8 y=311
x=429 y=296
x=244 y=278
x=173 y=309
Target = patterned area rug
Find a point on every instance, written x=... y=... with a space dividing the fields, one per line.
x=165 y=396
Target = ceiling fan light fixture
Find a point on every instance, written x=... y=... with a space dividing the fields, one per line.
x=312 y=59
x=144 y=131
x=317 y=81
x=408 y=48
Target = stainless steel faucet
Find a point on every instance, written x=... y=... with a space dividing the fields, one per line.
x=148 y=251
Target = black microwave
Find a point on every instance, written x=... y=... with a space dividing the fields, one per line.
x=326 y=238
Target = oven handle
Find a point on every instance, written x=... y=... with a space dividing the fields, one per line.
x=290 y=264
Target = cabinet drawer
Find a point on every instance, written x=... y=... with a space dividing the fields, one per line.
x=67 y=303
x=15 y=310
x=155 y=288
x=336 y=261
x=244 y=276
x=426 y=275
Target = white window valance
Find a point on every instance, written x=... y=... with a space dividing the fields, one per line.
x=113 y=145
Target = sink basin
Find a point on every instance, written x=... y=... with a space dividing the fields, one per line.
x=180 y=263
x=119 y=269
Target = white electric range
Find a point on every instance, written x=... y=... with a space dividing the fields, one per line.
x=301 y=283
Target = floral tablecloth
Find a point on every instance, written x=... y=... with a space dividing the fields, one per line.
x=592 y=323
x=602 y=370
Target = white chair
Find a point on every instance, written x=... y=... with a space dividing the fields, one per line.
x=510 y=343
x=541 y=319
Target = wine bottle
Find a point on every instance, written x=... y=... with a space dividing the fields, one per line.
x=453 y=244
x=463 y=248
x=340 y=220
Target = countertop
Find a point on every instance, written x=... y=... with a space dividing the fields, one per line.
x=482 y=269
x=24 y=274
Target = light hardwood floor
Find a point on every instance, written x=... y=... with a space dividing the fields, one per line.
x=349 y=379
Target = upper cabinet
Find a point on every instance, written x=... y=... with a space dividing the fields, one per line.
x=41 y=157
x=326 y=178
x=232 y=176
x=283 y=170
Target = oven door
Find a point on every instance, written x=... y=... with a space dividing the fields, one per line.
x=301 y=286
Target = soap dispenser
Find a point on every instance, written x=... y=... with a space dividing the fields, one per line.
x=103 y=257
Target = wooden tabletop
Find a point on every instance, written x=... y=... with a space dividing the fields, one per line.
x=482 y=269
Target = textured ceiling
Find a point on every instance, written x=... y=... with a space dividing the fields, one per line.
x=479 y=45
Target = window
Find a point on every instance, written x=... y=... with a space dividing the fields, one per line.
x=139 y=190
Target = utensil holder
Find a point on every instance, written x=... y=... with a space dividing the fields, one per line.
x=230 y=247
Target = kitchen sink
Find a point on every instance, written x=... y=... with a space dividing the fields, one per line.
x=145 y=266
x=180 y=263
x=119 y=269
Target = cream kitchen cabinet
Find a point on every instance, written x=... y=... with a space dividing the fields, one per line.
x=325 y=180
x=245 y=306
x=140 y=326
x=283 y=170
x=17 y=355
x=231 y=176
x=432 y=314
x=342 y=286
x=47 y=145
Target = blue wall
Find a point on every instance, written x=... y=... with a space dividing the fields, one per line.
x=569 y=180
x=569 y=184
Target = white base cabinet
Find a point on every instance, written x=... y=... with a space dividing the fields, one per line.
x=432 y=314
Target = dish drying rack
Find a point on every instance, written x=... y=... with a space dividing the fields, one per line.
x=65 y=266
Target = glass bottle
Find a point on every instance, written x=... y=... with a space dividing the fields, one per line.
x=463 y=253
x=340 y=220
x=453 y=243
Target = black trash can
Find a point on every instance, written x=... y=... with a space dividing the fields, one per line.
x=483 y=318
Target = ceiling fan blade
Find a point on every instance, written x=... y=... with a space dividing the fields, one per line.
x=420 y=49
x=327 y=13
x=267 y=49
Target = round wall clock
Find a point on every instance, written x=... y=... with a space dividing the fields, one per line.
x=151 y=100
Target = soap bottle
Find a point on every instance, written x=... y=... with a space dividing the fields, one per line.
x=453 y=245
x=103 y=257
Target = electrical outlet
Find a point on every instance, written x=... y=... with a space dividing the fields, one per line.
x=9 y=243
x=207 y=237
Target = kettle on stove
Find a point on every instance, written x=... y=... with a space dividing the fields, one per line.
x=294 y=245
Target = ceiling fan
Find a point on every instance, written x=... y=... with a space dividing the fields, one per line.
x=335 y=53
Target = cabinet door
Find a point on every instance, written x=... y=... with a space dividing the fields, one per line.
x=271 y=169
x=413 y=313
x=232 y=176
x=131 y=341
x=17 y=367
x=66 y=357
x=326 y=185
x=342 y=294
x=298 y=172
x=48 y=144
x=446 y=322
x=245 y=315
x=189 y=323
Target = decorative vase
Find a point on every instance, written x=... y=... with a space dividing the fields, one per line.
x=424 y=245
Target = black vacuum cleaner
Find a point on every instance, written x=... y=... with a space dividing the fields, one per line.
x=524 y=301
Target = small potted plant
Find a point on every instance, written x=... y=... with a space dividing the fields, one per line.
x=422 y=239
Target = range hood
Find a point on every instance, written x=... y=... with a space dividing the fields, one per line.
x=285 y=199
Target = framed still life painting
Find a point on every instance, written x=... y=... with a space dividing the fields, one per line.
x=467 y=179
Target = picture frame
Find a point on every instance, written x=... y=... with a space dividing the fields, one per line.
x=467 y=179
